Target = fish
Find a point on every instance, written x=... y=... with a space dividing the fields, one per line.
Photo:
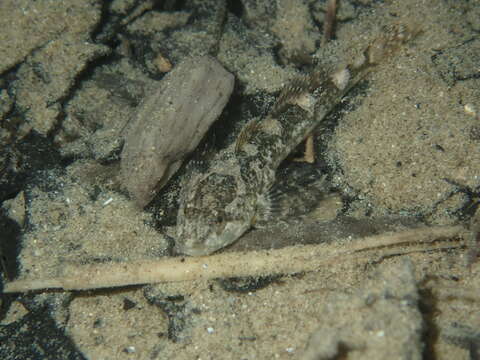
x=220 y=202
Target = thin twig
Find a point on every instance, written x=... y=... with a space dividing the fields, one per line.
x=456 y=292
x=287 y=260
x=328 y=34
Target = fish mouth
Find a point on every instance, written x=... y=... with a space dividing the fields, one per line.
x=213 y=242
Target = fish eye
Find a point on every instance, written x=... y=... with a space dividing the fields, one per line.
x=221 y=224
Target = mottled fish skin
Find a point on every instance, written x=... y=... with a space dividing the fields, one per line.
x=222 y=202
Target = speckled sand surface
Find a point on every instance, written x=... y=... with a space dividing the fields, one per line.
x=404 y=145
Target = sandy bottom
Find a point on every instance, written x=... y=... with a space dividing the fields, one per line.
x=400 y=152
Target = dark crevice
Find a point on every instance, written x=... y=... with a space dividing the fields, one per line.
x=36 y=335
x=99 y=33
x=9 y=246
x=468 y=210
x=248 y=284
x=26 y=158
x=235 y=7
x=428 y=308
x=174 y=307
x=169 y=5
x=80 y=78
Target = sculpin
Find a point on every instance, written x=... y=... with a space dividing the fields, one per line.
x=221 y=202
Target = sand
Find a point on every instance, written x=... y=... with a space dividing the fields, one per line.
x=400 y=152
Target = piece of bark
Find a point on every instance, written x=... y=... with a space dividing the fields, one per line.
x=170 y=123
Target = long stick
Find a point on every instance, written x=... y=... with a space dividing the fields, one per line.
x=287 y=260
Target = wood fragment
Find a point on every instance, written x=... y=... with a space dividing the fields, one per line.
x=329 y=22
x=287 y=260
x=328 y=33
x=163 y=64
x=309 y=152
x=142 y=8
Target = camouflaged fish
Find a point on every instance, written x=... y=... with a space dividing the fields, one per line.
x=220 y=203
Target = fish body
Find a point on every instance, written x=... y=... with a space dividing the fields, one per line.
x=220 y=203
